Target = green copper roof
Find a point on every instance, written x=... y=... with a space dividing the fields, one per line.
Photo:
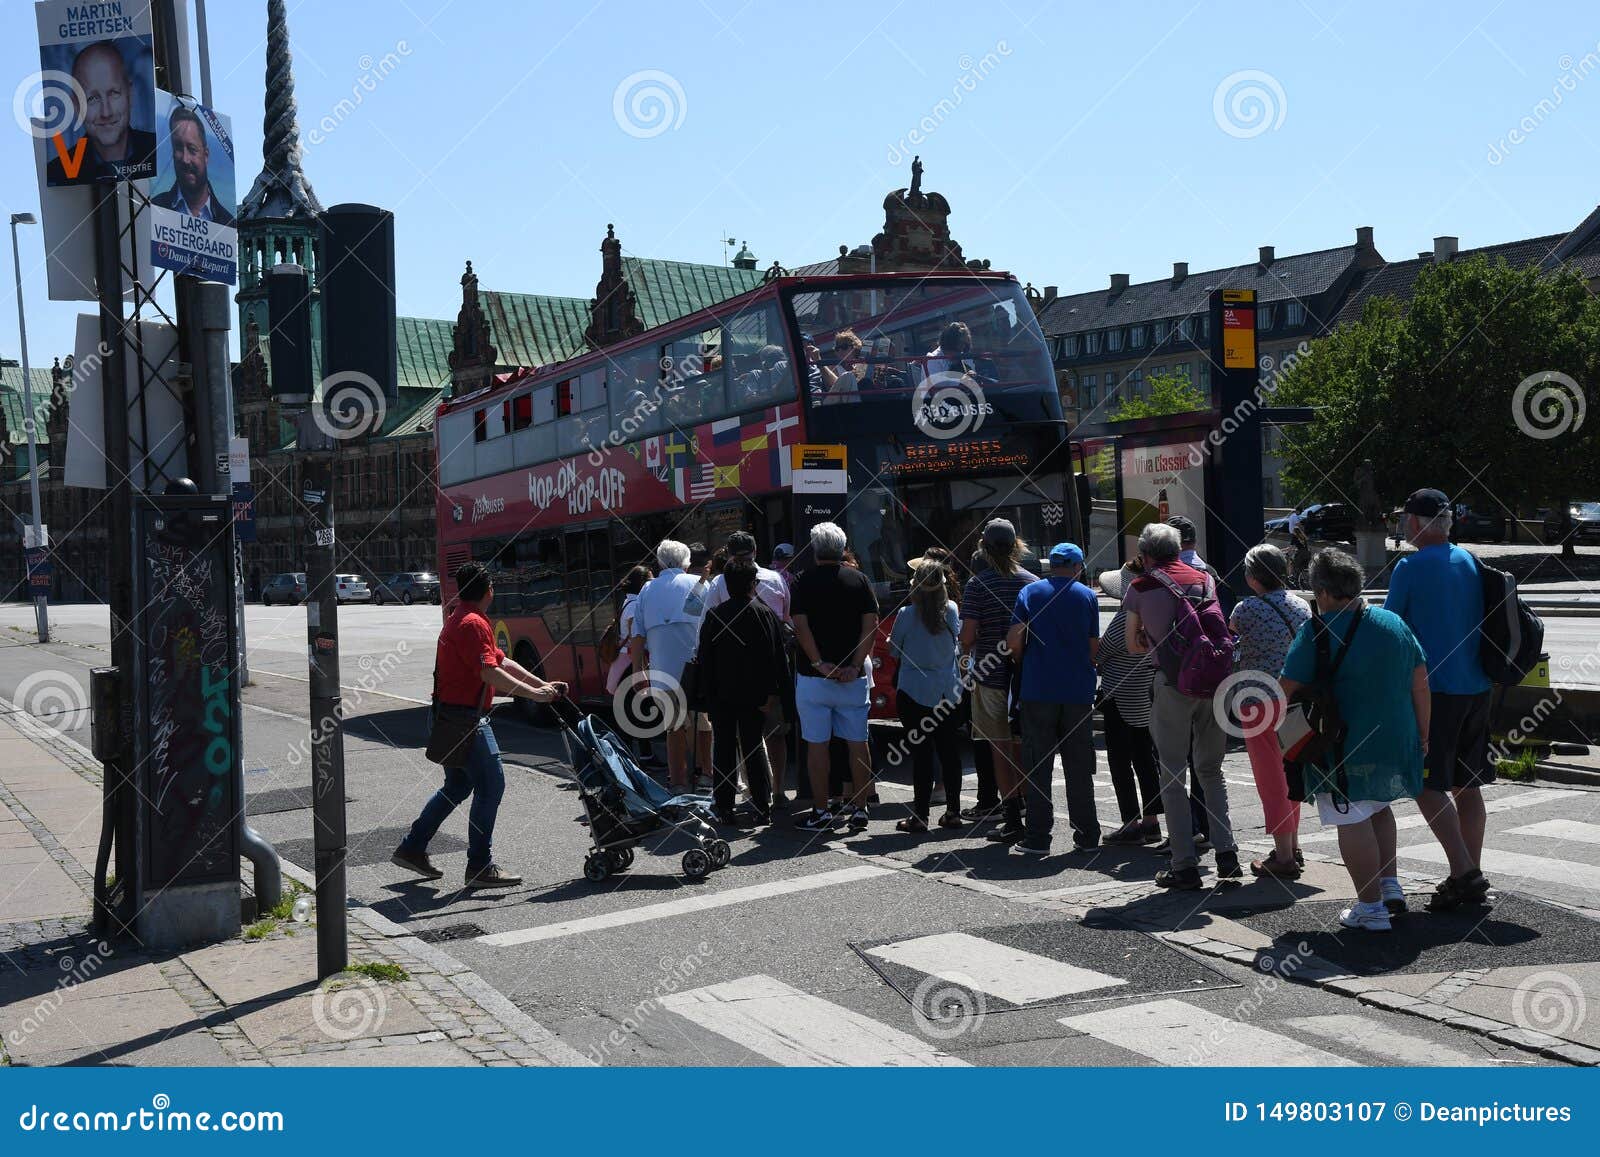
x=668 y=290
x=11 y=400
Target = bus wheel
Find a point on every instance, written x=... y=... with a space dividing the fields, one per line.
x=536 y=714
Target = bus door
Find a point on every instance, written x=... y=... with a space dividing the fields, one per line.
x=587 y=584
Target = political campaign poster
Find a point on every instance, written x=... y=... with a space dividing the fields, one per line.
x=190 y=219
x=97 y=90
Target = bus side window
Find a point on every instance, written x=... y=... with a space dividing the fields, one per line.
x=758 y=363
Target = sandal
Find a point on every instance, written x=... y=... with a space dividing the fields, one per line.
x=952 y=820
x=1272 y=867
x=1470 y=888
x=912 y=825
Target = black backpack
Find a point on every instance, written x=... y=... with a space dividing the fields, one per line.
x=1511 y=636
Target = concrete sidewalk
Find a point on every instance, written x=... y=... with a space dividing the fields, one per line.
x=67 y=997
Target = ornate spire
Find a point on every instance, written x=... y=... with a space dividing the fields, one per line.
x=281 y=191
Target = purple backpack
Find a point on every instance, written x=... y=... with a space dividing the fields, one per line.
x=1199 y=644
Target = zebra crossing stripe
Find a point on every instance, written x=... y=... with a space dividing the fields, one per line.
x=1012 y=974
x=794 y=1028
x=1497 y=863
x=1504 y=803
x=1571 y=831
x=1374 y=1037
x=1175 y=1033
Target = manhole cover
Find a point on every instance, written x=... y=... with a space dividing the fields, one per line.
x=450 y=932
x=370 y=848
x=1516 y=932
x=1036 y=965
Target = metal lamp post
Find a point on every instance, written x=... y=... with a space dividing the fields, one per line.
x=40 y=601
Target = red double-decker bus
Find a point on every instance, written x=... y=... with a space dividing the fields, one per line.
x=562 y=478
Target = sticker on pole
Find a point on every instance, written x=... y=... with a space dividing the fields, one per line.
x=94 y=99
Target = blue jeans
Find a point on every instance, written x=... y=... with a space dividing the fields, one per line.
x=484 y=780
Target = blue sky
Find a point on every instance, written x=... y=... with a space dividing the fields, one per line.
x=1075 y=139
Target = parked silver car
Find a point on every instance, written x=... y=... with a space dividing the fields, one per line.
x=288 y=588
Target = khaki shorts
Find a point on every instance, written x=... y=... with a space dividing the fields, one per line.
x=991 y=717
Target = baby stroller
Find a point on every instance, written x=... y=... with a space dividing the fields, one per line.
x=625 y=806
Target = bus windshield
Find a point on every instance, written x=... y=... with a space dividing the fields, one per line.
x=923 y=354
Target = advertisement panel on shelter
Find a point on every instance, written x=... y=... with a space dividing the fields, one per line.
x=1159 y=482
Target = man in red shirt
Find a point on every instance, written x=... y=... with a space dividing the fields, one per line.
x=468 y=669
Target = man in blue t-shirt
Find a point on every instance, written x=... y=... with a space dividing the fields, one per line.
x=1438 y=592
x=1056 y=629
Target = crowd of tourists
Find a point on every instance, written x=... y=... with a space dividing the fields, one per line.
x=749 y=663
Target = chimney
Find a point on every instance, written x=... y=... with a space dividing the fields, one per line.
x=1444 y=249
x=1267 y=256
x=1119 y=282
x=1180 y=270
x=1051 y=292
x=1364 y=237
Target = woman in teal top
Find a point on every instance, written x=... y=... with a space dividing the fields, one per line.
x=1382 y=689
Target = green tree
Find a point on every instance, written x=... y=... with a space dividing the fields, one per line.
x=1438 y=397
x=1169 y=394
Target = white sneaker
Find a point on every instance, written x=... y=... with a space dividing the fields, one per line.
x=1367 y=917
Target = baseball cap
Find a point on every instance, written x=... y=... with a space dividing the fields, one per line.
x=1427 y=503
x=741 y=542
x=999 y=534
x=1185 y=527
x=1065 y=554
x=783 y=550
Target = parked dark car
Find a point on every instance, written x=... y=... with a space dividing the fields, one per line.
x=1583 y=527
x=1322 y=521
x=288 y=589
x=1474 y=525
x=407 y=587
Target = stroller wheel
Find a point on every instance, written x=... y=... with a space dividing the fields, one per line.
x=621 y=859
x=720 y=853
x=696 y=864
x=596 y=867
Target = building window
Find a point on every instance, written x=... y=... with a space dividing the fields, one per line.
x=1136 y=337
x=1205 y=378
x=1294 y=313
x=1158 y=371
x=1069 y=346
x=1114 y=340
x=1133 y=384
x=1161 y=332
x=1205 y=328
x=1091 y=343
x=1265 y=317
x=1091 y=391
x=1181 y=370
x=1111 y=384
x=1186 y=328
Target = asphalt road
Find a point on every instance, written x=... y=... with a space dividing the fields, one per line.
x=805 y=949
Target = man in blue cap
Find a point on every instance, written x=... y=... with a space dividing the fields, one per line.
x=1056 y=629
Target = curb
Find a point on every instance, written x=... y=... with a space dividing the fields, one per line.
x=1319 y=973
x=534 y=1036
x=1565 y=773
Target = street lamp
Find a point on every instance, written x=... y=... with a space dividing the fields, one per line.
x=30 y=420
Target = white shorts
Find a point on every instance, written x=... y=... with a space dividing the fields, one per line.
x=829 y=709
x=1360 y=809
